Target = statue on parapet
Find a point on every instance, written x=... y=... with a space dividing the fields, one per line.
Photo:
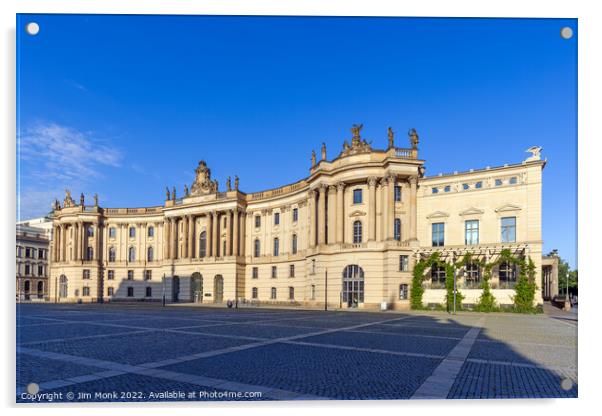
x=236 y=182
x=81 y=199
x=323 y=151
x=535 y=153
x=186 y=193
x=95 y=200
x=413 y=138
x=228 y=185
x=313 y=158
x=167 y=193
x=173 y=193
x=391 y=135
x=68 y=201
x=203 y=184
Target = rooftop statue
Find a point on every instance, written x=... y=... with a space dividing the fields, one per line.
x=202 y=184
x=535 y=153
x=236 y=182
x=68 y=201
x=323 y=151
x=413 y=138
x=228 y=184
x=95 y=200
x=358 y=145
x=81 y=199
x=313 y=158
x=391 y=135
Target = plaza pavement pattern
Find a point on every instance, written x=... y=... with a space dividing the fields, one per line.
x=140 y=351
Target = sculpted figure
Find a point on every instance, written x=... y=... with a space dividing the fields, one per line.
x=313 y=158
x=323 y=151
x=236 y=182
x=391 y=135
x=228 y=184
x=167 y=193
x=173 y=193
x=185 y=190
x=413 y=138
x=95 y=200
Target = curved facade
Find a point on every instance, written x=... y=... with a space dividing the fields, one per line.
x=348 y=234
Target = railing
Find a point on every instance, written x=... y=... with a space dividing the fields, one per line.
x=405 y=153
x=133 y=211
x=279 y=191
x=354 y=245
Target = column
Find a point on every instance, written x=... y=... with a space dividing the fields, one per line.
x=322 y=215
x=236 y=242
x=228 y=233
x=332 y=206
x=173 y=243
x=385 y=209
x=214 y=235
x=209 y=234
x=311 y=217
x=97 y=242
x=191 y=236
x=243 y=233
x=372 y=209
x=413 y=219
x=75 y=240
x=166 y=237
x=184 y=252
x=391 y=207
x=82 y=241
x=340 y=229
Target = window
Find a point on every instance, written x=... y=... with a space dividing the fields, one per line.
x=313 y=292
x=28 y=253
x=276 y=218
x=225 y=222
x=130 y=275
x=110 y=291
x=111 y=275
x=447 y=188
x=203 y=244
x=257 y=247
x=513 y=180
x=437 y=276
x=151 y=231
x=257 y=221
x=132 y=232
x=404 y=263
x=465 y=186
x=397 y=193
x=507 y=275
x=40 y=270
x=254 y=293
x=397 y=229
x=41 y=253
x=90 y=231
x=86 y=274
x=357 y=196
x=294 y=244
x=132 y=254
x=295 y=214
x=472 y=232
x=291 y=270
x=148 y=274
x=224 y=248
x=438 y=234
x=508 y=229
x=498 y=182
x=403 y=291
x=27 y=269
x=291 y=293
x=273 y=294
x=255 y=273
x=89 y=253
x=472 y=276
x=313 y=266
x=276 y=246
x=478 y=185
x=19 y=251
x=357 y=232
x=112 y=232
x=149 y=292
x=274 y=272
x=111 y=254
x=85 y=291
x=130 y=291
x=149 y=254
x=435 y=190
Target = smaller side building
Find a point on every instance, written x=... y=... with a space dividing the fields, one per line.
x=32 y=267
x=549 y=277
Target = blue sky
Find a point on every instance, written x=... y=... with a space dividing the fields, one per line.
x=254 y=95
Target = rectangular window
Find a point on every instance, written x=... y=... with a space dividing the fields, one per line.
x=403 y=292
x=447 y=188
x=132 y=232
x=397 y=193
x=40 y=253
x=27 y=270
x=112 y=232
x=111 y=275
x=472 y=232
x=276 y=218
x=478 y=185
x=40 y=270
x=508 y=229
x=151 y=231
x=255 y=273
x=295 y=214
x=472 y=276
x=291 y=270
x=148 y=274
x=437 y=277
x=149 y=291
x=357 y=196
x=85 y=291
x=274 y=272
x=498 y=182
x=513 y=180
x=397 y=229
x=130 y=275
x=313 y=266
x=257 y=221
x=28 y=252
x=435 y=190
x=273 y=294
x=86 y=274
x=438 y=234
x=313 y=292
x=254 y=293
x=110 y=291
x=465 y=186
x=404 y=263
x=130 y=291
x=291 y=293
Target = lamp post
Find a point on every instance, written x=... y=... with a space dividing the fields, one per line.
x=455 y=288
x=163 y=289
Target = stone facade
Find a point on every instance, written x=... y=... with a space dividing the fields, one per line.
x=32 y=272
x=347 y=235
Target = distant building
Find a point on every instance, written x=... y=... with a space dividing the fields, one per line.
x=32 y=263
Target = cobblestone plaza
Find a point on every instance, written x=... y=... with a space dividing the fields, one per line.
x=146 y=353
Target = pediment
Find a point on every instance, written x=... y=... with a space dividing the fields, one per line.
x=508 y=207
x=438 y=214
x=357 y=213
x=472 y=211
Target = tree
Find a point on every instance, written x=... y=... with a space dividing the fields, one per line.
x=563 y=270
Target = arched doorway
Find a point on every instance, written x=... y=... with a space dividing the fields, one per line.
x=40 y=289
x=63 y=286
x=26 y=289
x=353 y=285
x=175 y=289
x=196 y=287
x=218 y=289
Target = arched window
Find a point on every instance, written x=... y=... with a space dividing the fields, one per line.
x=111 y=254
x=149 y=254
x=353 y=285
x=257 y=248
x=203 y=245
x=357 y=232
x=294 y=244
x=276 y=246
x=40 y=288
x=132 y=254
x=89 y=253
x=151 y=231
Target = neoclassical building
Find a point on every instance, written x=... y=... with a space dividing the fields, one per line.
x=347 y=235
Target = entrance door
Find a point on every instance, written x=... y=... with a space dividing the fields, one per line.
x=196 y=287
x=175 y=289
x=218 y=289
x=353 y=285
x=63 y=288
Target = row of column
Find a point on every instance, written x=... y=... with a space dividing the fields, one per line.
x=328 y=227
x=76 y=234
